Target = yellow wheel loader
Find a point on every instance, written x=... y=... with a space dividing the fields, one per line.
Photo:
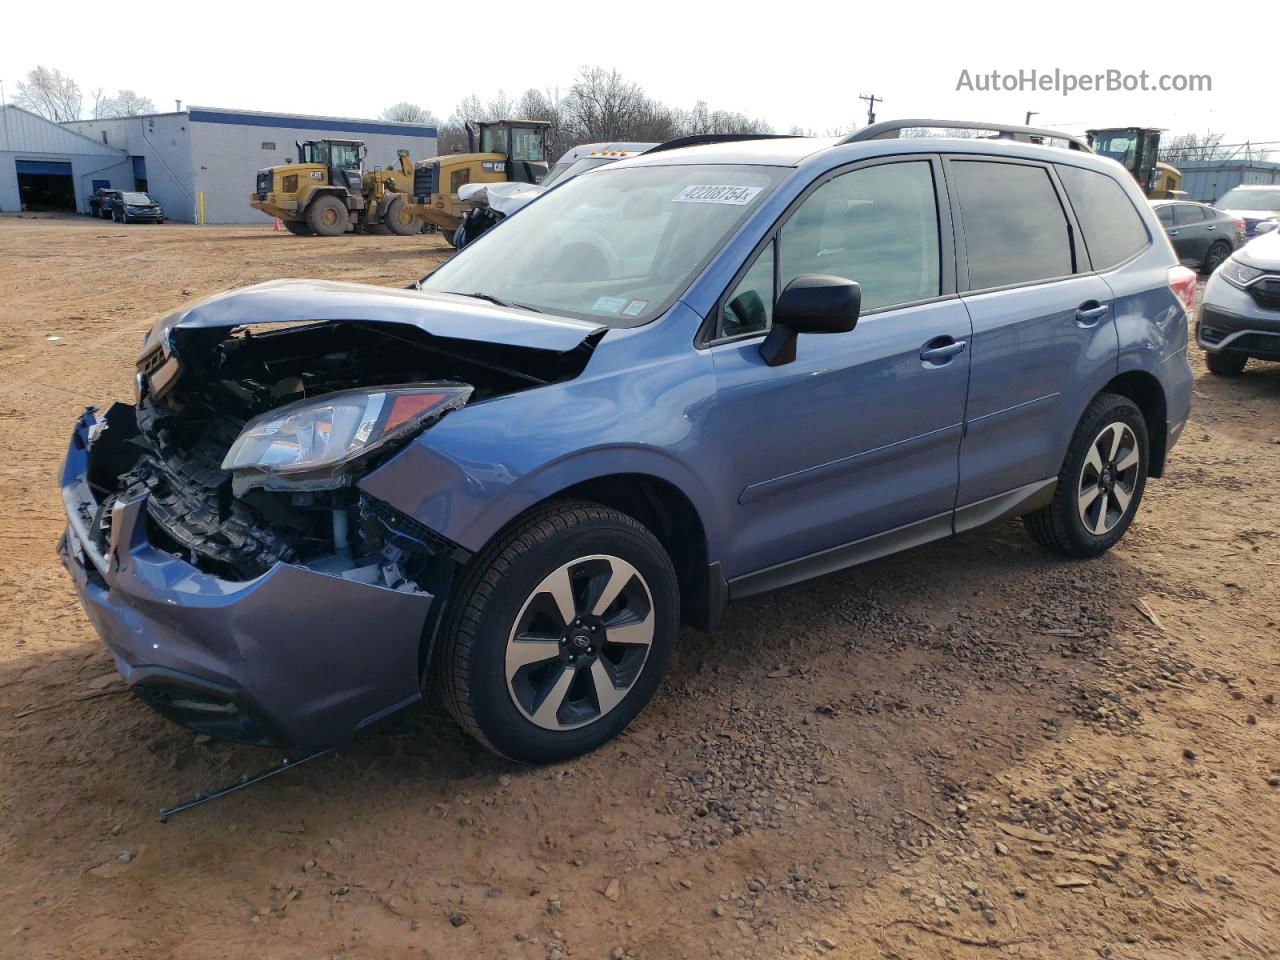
x=499 y=151
x=328 y=192
x=1137 y=149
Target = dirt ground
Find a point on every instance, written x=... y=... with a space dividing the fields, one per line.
x=974 y=749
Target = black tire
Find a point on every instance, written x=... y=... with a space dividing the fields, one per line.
x=1060 y=526
x=327 y=216
x=118 y=217
x=299 y=228
x=450 y=236
x=1215 y=255
x=399 y=219
x=497 y=593
x=1225 y=364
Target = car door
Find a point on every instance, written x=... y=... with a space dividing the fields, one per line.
x=1165 y=215
x=1190 y=234
x=857 y=436
x=1043 y=330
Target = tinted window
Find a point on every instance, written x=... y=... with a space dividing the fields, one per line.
x=1014 y=227
x=878 y=226
x=749 y=307
x=1186 y=213
x=1165 y=214
x=1112 y=227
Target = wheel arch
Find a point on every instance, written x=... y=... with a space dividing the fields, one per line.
x=1145 y=391
x=672 y=517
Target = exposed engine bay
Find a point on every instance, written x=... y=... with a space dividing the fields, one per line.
x=189 y=416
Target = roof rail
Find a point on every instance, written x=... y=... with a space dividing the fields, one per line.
x=698 y=139
x=892 y=129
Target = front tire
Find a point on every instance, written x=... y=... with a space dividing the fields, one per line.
x=327 y=216
x=1225 y=364
x=1101 y=482
x=559 y=633
x=399 y=218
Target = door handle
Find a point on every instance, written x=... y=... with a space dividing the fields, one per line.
x=1090 y=312
x=1173 y=233
x=1212 y=227
x=941 y=349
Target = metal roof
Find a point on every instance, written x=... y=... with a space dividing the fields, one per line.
x=22 y=131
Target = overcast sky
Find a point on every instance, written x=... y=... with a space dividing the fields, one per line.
x=794 y=63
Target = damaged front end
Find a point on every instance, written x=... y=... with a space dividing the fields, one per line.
x=219 y=539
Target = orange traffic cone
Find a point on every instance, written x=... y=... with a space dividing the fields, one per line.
x=277 y=226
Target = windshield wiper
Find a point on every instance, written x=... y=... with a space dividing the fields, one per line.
x=489 y=297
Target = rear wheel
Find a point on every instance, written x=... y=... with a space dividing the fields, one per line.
x=559 y=634
x=400 y=219
x=1101 y=481
x=1213 y=259
x=327 y=216
x=1225 y=364
x=299 y=228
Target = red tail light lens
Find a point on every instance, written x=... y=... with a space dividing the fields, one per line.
x=1240 y=225
x=1182 y=282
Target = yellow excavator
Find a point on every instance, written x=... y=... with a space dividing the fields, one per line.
x=498 y=151
x=1137 y=149
x=328 y=191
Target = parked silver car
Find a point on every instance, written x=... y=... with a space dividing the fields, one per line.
x=1240 y=312
x=1258 y=205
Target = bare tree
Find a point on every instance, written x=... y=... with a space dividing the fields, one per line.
x=1207 y=147
x=406 y=112
x=50 y=93
x=126 y=103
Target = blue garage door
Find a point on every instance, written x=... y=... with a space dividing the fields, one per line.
x=54 y=167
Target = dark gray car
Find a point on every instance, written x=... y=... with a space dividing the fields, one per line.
x=1202 y=236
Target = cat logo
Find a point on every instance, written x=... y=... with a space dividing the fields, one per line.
x=317 y=174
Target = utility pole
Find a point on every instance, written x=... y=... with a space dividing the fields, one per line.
x=1030 y=114
x=871 y=100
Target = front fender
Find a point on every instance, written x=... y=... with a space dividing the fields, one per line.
x=480 y=467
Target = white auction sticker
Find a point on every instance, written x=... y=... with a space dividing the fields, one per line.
x=609 y=305
x=711 y=193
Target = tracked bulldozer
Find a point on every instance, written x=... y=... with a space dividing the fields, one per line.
x=329 y=191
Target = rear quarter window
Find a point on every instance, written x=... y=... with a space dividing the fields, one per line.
x=1015 y=230
x=1112 y=227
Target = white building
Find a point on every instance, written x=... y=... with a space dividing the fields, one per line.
x=212 y=155
x=46 y=166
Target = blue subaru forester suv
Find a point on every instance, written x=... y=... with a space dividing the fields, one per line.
x=684 y=379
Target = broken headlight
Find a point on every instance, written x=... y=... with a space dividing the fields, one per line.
x=306 y=445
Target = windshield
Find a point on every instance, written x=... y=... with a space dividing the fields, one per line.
x=617 y=247
x=526 y=145
x=567 y=171
x=1121 y=147
x=1251 y=199
x=137 y=198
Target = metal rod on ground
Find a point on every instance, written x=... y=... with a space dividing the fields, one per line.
x=245 y=781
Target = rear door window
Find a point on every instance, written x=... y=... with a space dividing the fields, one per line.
x=1015 y=230
x=1165 y=214
x=1186 y=214
x=1112 y=227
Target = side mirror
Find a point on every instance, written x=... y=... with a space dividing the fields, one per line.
x=811 y=303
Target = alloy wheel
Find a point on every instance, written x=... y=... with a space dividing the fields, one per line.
x=1108 y=478
x=580 y=642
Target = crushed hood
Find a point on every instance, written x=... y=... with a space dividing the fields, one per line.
x=438 y=314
